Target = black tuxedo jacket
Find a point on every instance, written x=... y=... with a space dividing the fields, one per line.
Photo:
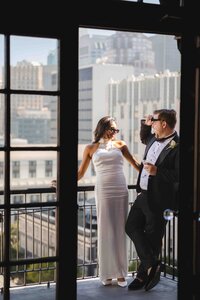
x=163 y=187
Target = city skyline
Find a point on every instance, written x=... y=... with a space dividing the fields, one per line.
x=28 y=48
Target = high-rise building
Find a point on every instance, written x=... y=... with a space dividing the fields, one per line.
x=166 y=55
x=93 y=105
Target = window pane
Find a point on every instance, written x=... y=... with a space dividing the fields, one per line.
x=37 y=67
x=2 y=80
x=2 y=171
x=160 y=2
x=2 y=118
x=30 y=169
x=33 y=234
x=33 y=120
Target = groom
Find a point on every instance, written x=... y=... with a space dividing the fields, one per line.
x=157 y=188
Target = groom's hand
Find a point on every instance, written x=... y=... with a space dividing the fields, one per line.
x=151 y=169
x=148 y=121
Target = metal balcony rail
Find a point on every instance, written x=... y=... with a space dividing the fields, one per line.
x=32 y=237
x=87 y=264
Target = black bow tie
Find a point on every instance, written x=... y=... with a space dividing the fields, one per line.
x=165 y=138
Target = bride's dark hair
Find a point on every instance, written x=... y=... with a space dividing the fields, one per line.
x=103 y=125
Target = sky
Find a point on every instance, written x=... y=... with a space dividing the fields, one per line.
x=28 y=48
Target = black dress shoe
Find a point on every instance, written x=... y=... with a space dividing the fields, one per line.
x=136 y=284
x=154 y=276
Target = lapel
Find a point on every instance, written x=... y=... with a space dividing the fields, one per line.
x=163 y=154
x=166 y=150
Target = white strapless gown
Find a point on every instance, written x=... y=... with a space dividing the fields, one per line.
x=111 y=195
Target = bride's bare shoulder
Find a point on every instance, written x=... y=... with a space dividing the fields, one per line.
x=119 y=143
x=91 y=148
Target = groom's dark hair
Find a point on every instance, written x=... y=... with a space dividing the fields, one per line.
x=167 y=115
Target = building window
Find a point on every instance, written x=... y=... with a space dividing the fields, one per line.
x=17 y=199
x=48 y=168
x=1 y=170
x=16 y=169
x=34 y=198
x=54 y=79
x=32 y=168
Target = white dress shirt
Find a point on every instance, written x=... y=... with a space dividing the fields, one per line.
x=152 y=155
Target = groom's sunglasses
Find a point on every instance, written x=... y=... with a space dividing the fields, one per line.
x=114 y=129
x=154 y=120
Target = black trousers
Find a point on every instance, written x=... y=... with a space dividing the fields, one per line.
x=146 y=229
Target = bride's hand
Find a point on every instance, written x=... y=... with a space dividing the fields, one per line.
x=54 y=183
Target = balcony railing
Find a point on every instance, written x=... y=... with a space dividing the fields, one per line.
x=32 y=225
x=87 y=265
x=33 y=238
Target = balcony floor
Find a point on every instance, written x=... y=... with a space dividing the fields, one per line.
x=36 y=292
x=93 y=289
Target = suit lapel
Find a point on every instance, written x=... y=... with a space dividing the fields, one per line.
x=163 y=154
x=165 y=151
